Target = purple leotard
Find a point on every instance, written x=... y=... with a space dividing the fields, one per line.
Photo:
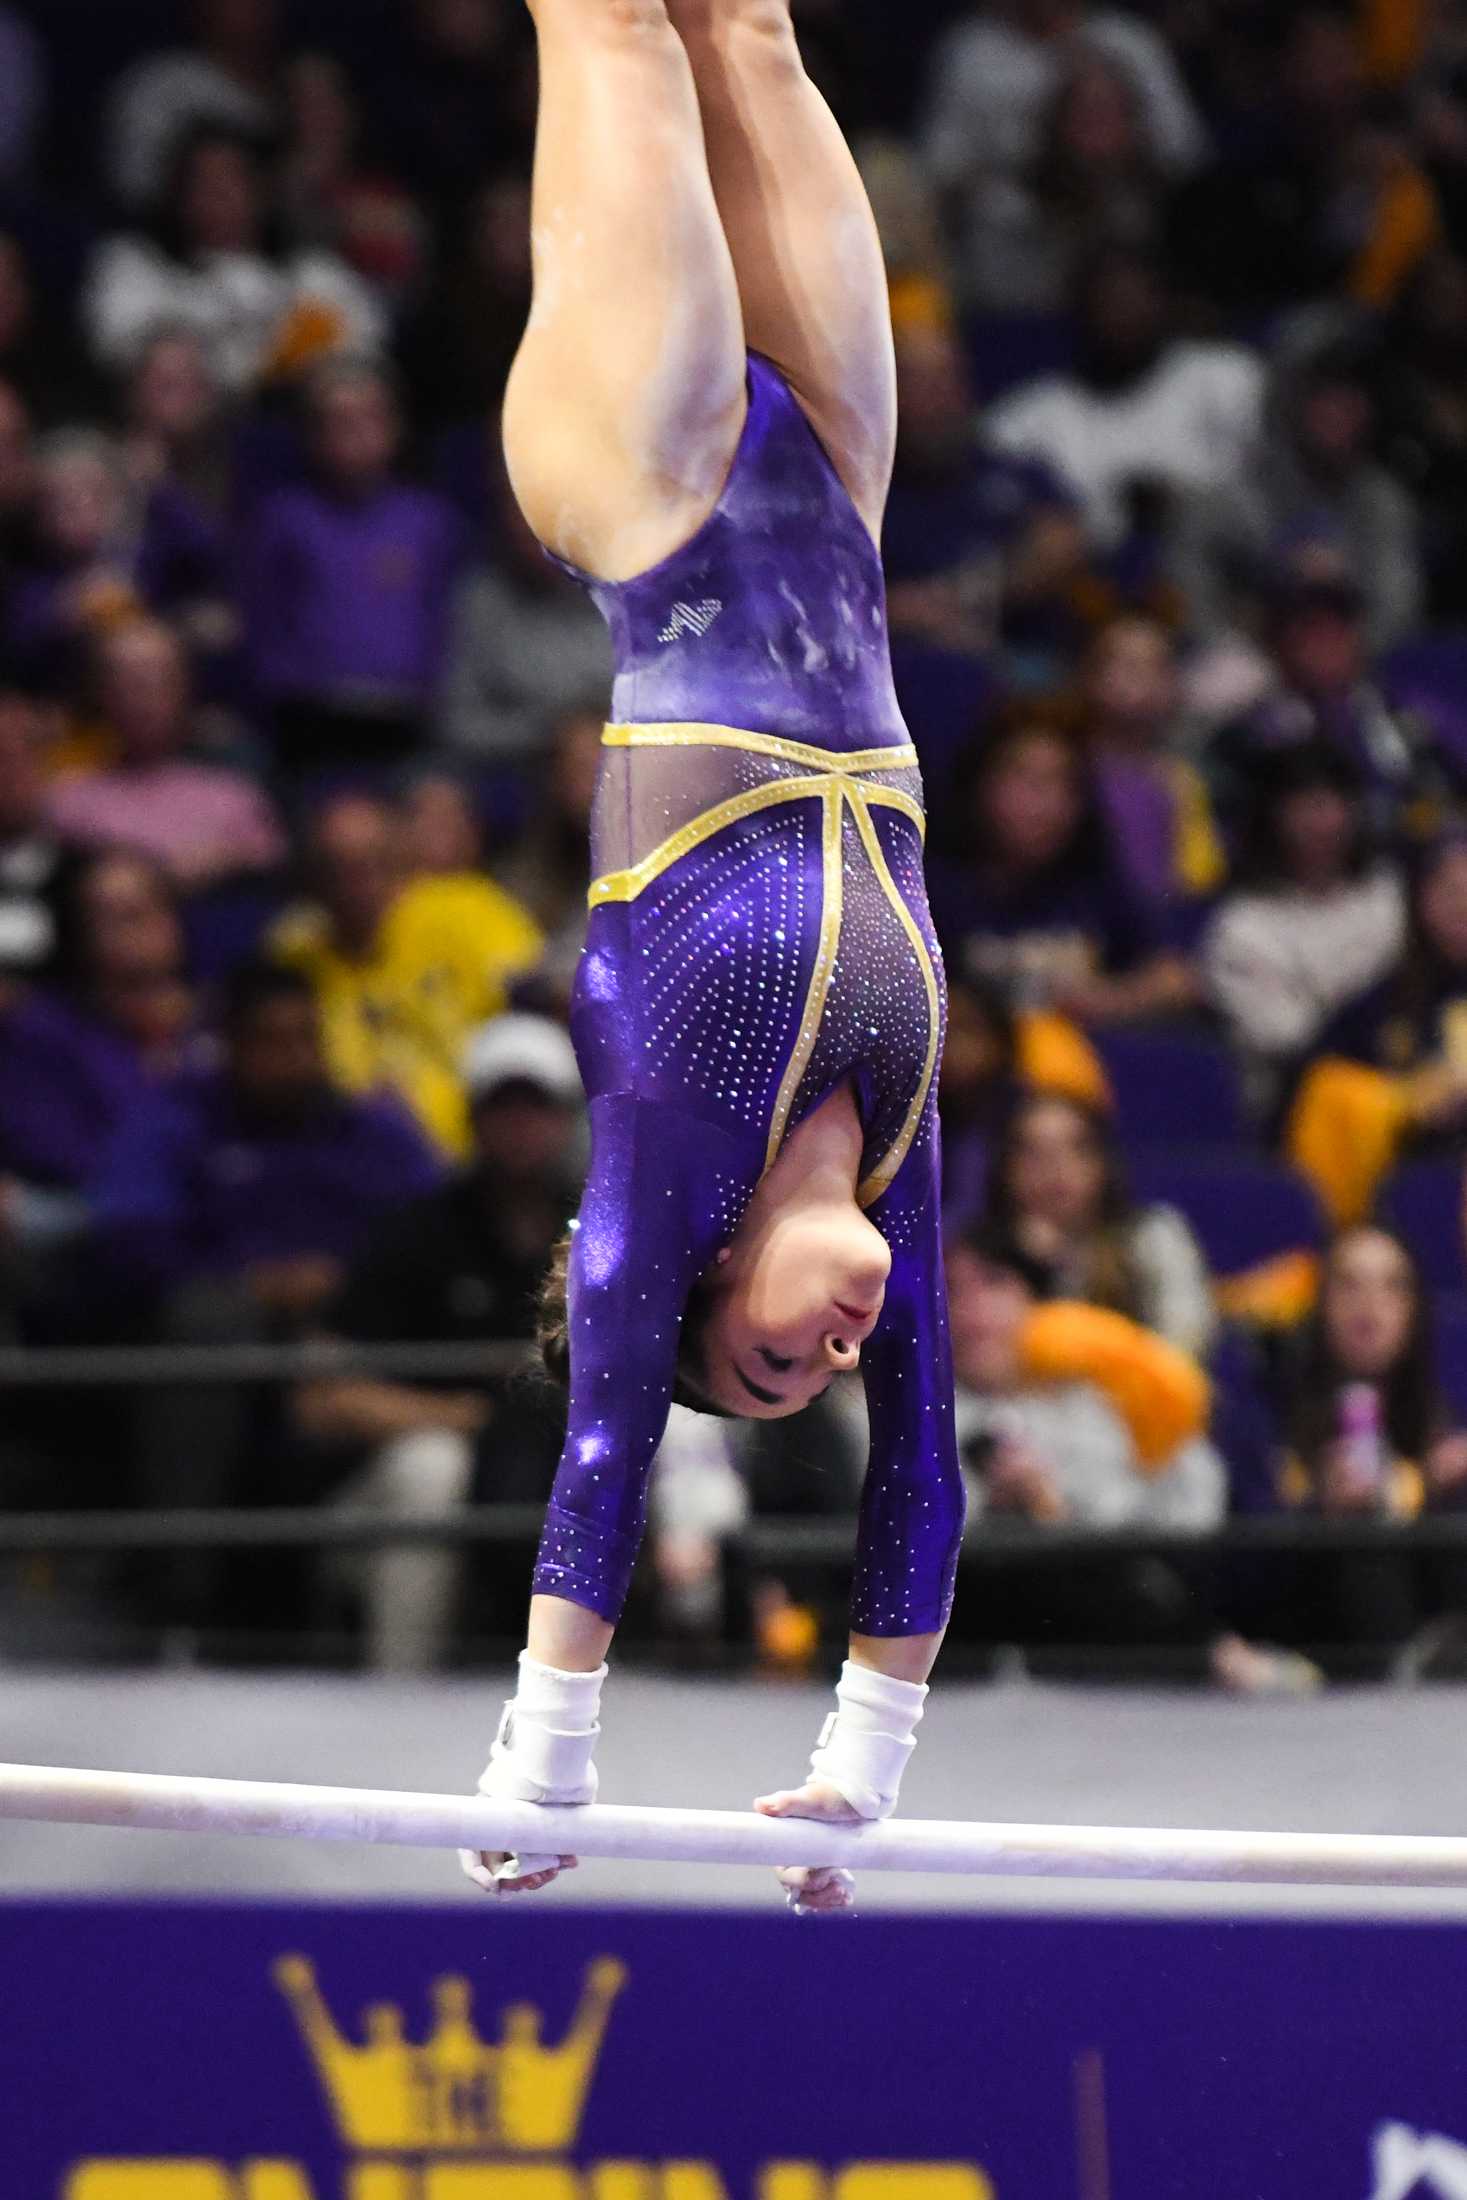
x=759 y=935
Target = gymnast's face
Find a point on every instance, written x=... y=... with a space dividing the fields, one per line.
x=791 y=1302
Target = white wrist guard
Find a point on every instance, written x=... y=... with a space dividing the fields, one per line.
x=547 y=1736
x=865 y=1743
x=543 y=1750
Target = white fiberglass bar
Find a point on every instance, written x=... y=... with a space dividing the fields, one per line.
x=168 y=1804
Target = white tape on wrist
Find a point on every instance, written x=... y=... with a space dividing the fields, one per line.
x=866 y=1742
x=544 y=1748
x=539 y=1764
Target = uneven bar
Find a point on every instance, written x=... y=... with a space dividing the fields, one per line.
x=168 y=1804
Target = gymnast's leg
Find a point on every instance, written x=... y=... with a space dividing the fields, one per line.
x=622 y=418
x=811 y=278
x=627 y=400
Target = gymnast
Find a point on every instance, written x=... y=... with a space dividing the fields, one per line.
x=700 y=425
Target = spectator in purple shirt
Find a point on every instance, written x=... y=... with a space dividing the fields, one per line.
x=105 y=552
x=351 y=576
x=75 y=1059
x=122 y=962
x=64 y=1085
x=231 y=1202
x=205 y=823
x=64 y=1081
x=257 y=1176
x=1155 y=801
x=1029 y=892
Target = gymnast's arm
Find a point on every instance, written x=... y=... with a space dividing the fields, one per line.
x=665 y=1191
x=913 y=1503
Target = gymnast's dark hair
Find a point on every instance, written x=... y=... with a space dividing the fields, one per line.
x=552 y=1334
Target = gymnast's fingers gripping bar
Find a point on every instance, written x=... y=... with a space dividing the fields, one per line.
x=166 y=1804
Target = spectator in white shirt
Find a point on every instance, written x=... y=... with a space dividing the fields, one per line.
x=1315 y=919
x=225 y=77
x=1057 y=1449
x=207 y=265
x=1145 y=415
x=1057 y=1188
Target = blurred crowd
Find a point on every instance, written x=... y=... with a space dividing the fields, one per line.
x=299 y=732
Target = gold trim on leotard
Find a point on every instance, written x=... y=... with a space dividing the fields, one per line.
x=627 y=885
x=902 y=757
x=884 y=1174
x=834 y=781
x=890 y=798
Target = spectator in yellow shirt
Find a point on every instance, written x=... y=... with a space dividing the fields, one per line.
x=405 y=968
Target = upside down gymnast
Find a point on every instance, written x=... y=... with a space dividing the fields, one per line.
x=700 y=424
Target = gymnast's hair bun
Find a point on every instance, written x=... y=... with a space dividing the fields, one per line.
x=552 y=1316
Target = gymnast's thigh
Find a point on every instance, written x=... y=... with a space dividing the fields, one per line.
x=627 y=400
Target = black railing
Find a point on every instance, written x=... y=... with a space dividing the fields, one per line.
x=771 y=1542
x=145 y=1367
x=813 y=1557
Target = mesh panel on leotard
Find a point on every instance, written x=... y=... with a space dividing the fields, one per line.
x=644 y=795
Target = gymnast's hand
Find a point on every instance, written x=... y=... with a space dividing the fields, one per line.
x=498 y=1871
x=814 y=1890
x=521 y=1875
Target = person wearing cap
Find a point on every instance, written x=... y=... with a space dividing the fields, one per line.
x=462 y=1265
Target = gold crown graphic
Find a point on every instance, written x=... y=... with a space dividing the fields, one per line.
x=455 y=2093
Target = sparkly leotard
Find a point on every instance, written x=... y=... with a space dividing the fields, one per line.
x=758 y=936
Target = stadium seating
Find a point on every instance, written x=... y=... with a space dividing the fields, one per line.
x=1244 y=1212
x=1424 y=1203
x=1174 y=1090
